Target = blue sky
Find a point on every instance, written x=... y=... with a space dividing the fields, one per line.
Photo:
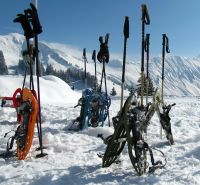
x=80 y=23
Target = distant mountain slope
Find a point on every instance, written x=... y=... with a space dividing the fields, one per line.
x=182 y=75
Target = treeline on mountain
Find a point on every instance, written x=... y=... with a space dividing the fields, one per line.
x=3 y=66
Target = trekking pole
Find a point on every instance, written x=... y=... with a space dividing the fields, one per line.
x=85 y=72
x=37 y=29
x=126 y=36
x=28 y=33
x=147 y=43
x=145 y=20
x=103 y=57
x=95 y=68
x=165 y=48
x=23 y=19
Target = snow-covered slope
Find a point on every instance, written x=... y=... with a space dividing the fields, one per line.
x=11 y=45
x=182 y=75
x=53 y=89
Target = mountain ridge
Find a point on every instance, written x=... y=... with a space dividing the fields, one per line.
x=182 y=74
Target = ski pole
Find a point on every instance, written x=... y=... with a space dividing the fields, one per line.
x=126 y=36
x=95 y=68
x=37 y=29
x=165 y=48
x=145 y=20
x=103 y=57
x=147 y=43
x=85 y=72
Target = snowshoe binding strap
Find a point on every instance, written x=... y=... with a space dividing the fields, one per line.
x=158 y=164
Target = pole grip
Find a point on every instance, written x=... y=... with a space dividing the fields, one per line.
x=126 y=27
x=145 y=15
x=84 y=53
x=94 y=55
x=147 y=42
x=23 y=20
x=166 y=43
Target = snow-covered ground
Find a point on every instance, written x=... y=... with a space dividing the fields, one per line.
x=72 y=156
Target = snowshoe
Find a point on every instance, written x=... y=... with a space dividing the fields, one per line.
x=137 y=152
x=118 y=139
x=164 y=118
x=27 y=112
x=94 y=109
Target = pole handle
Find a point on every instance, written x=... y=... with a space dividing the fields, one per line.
x=23 y=20
x=166 y=43
x=84 y=53
x=145 y=15
x=94 y=55
x=126 y=27
x=147 y=42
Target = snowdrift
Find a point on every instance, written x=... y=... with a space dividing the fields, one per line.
x=53 y=89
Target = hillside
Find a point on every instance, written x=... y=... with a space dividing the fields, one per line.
x=181 y=74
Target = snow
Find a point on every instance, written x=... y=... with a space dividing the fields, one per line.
x=53 y=89
x=72 y=156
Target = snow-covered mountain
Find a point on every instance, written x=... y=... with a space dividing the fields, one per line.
x=182 y=75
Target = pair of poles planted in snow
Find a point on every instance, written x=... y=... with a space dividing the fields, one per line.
x=145 y=20
x=103 y=57
x=145 y=47
x=85 y=69
x=32 y=31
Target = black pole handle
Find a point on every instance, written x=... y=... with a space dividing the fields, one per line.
x=85 y=60
x=147 y=42
x=165 y=49
x=126 y=27
x=145 y=15
x=94 y=55
x=146 y=48
x=34 y=19
x=166 y=43
x=23 y=20
x=126 y=35
x=106 y=38
x=84 y=53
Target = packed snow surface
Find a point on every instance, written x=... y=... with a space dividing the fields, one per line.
x=72 y=156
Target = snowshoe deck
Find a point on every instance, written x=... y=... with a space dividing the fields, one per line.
x=166 y=125
x=22 y=152
x=118 y=140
